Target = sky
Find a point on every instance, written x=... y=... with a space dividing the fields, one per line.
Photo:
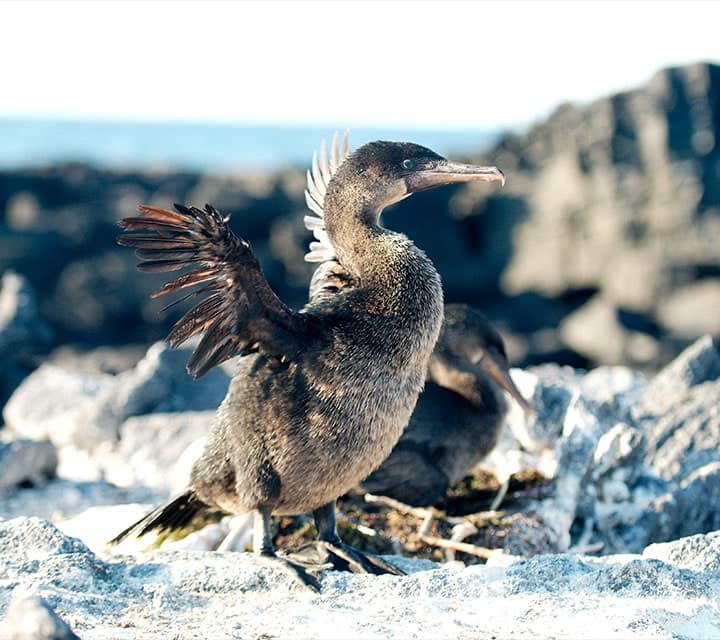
x=412 y=63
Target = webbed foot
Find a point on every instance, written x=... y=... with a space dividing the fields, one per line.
x=341 y=557
x=300 y=572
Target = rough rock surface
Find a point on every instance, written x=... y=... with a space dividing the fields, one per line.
x=31 y=618
x=86 y=410
x=26 y=461
x=632 y=461
x=23 y=333
x=681 y=409
x=672 y=591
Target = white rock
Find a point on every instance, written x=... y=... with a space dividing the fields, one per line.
x=151 y=450
x=26 y=461
x=31 y=618
x=620 y=385
x=95 y=526
x=82 y=410
x=190 y=594
x=54 y=404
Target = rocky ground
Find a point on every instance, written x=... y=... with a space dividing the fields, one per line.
x=604 y=245
x=612 y=465
x=51 y=580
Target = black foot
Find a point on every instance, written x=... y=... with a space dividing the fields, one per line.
x=341 y=557
x=301 y=573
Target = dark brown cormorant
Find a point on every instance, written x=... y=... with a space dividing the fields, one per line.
x=320 y=396
x=458 y=416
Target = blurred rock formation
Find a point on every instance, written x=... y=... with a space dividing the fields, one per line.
x=601 y=249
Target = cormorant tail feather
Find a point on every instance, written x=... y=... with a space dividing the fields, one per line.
x=176 y=514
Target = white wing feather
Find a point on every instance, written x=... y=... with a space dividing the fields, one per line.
x=318 y=178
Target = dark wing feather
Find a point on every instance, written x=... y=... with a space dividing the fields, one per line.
x=241 y=313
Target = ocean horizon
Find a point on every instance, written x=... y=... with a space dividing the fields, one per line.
x=34 y=142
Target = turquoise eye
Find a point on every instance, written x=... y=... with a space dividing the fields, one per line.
x=408 y=164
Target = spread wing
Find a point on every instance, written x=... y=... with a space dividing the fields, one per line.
x=240 y=313
x=318 y=178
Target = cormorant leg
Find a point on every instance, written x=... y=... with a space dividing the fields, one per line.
x=262 y=538
x=343 y=557
x=265 y=550
x=326 y=523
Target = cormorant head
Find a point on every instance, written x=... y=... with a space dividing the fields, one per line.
x=383 y=173
x=468 y=342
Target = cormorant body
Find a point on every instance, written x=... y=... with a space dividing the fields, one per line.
x=458 y=416
x=320 y=396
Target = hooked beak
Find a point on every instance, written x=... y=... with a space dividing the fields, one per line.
x=502 y=376
x=449 y=173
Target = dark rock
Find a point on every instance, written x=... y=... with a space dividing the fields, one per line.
x=609 y=183
x=593 y=194
x=92 y=293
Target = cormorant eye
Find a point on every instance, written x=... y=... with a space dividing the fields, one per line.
x=408 y=164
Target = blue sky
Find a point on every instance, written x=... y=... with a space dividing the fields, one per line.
x=426 y=64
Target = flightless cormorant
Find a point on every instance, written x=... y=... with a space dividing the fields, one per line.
x=320 y=396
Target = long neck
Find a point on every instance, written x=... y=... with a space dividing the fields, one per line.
x=355 y=236
x=351 y=221
x=396 y=278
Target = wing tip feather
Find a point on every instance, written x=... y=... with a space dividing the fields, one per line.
x=318 y=177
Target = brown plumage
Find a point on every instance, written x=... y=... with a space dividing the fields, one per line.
x=320 y=396
x=458 y=416
x=232 y=279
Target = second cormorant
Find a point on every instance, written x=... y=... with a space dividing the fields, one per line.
x=458 y=416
